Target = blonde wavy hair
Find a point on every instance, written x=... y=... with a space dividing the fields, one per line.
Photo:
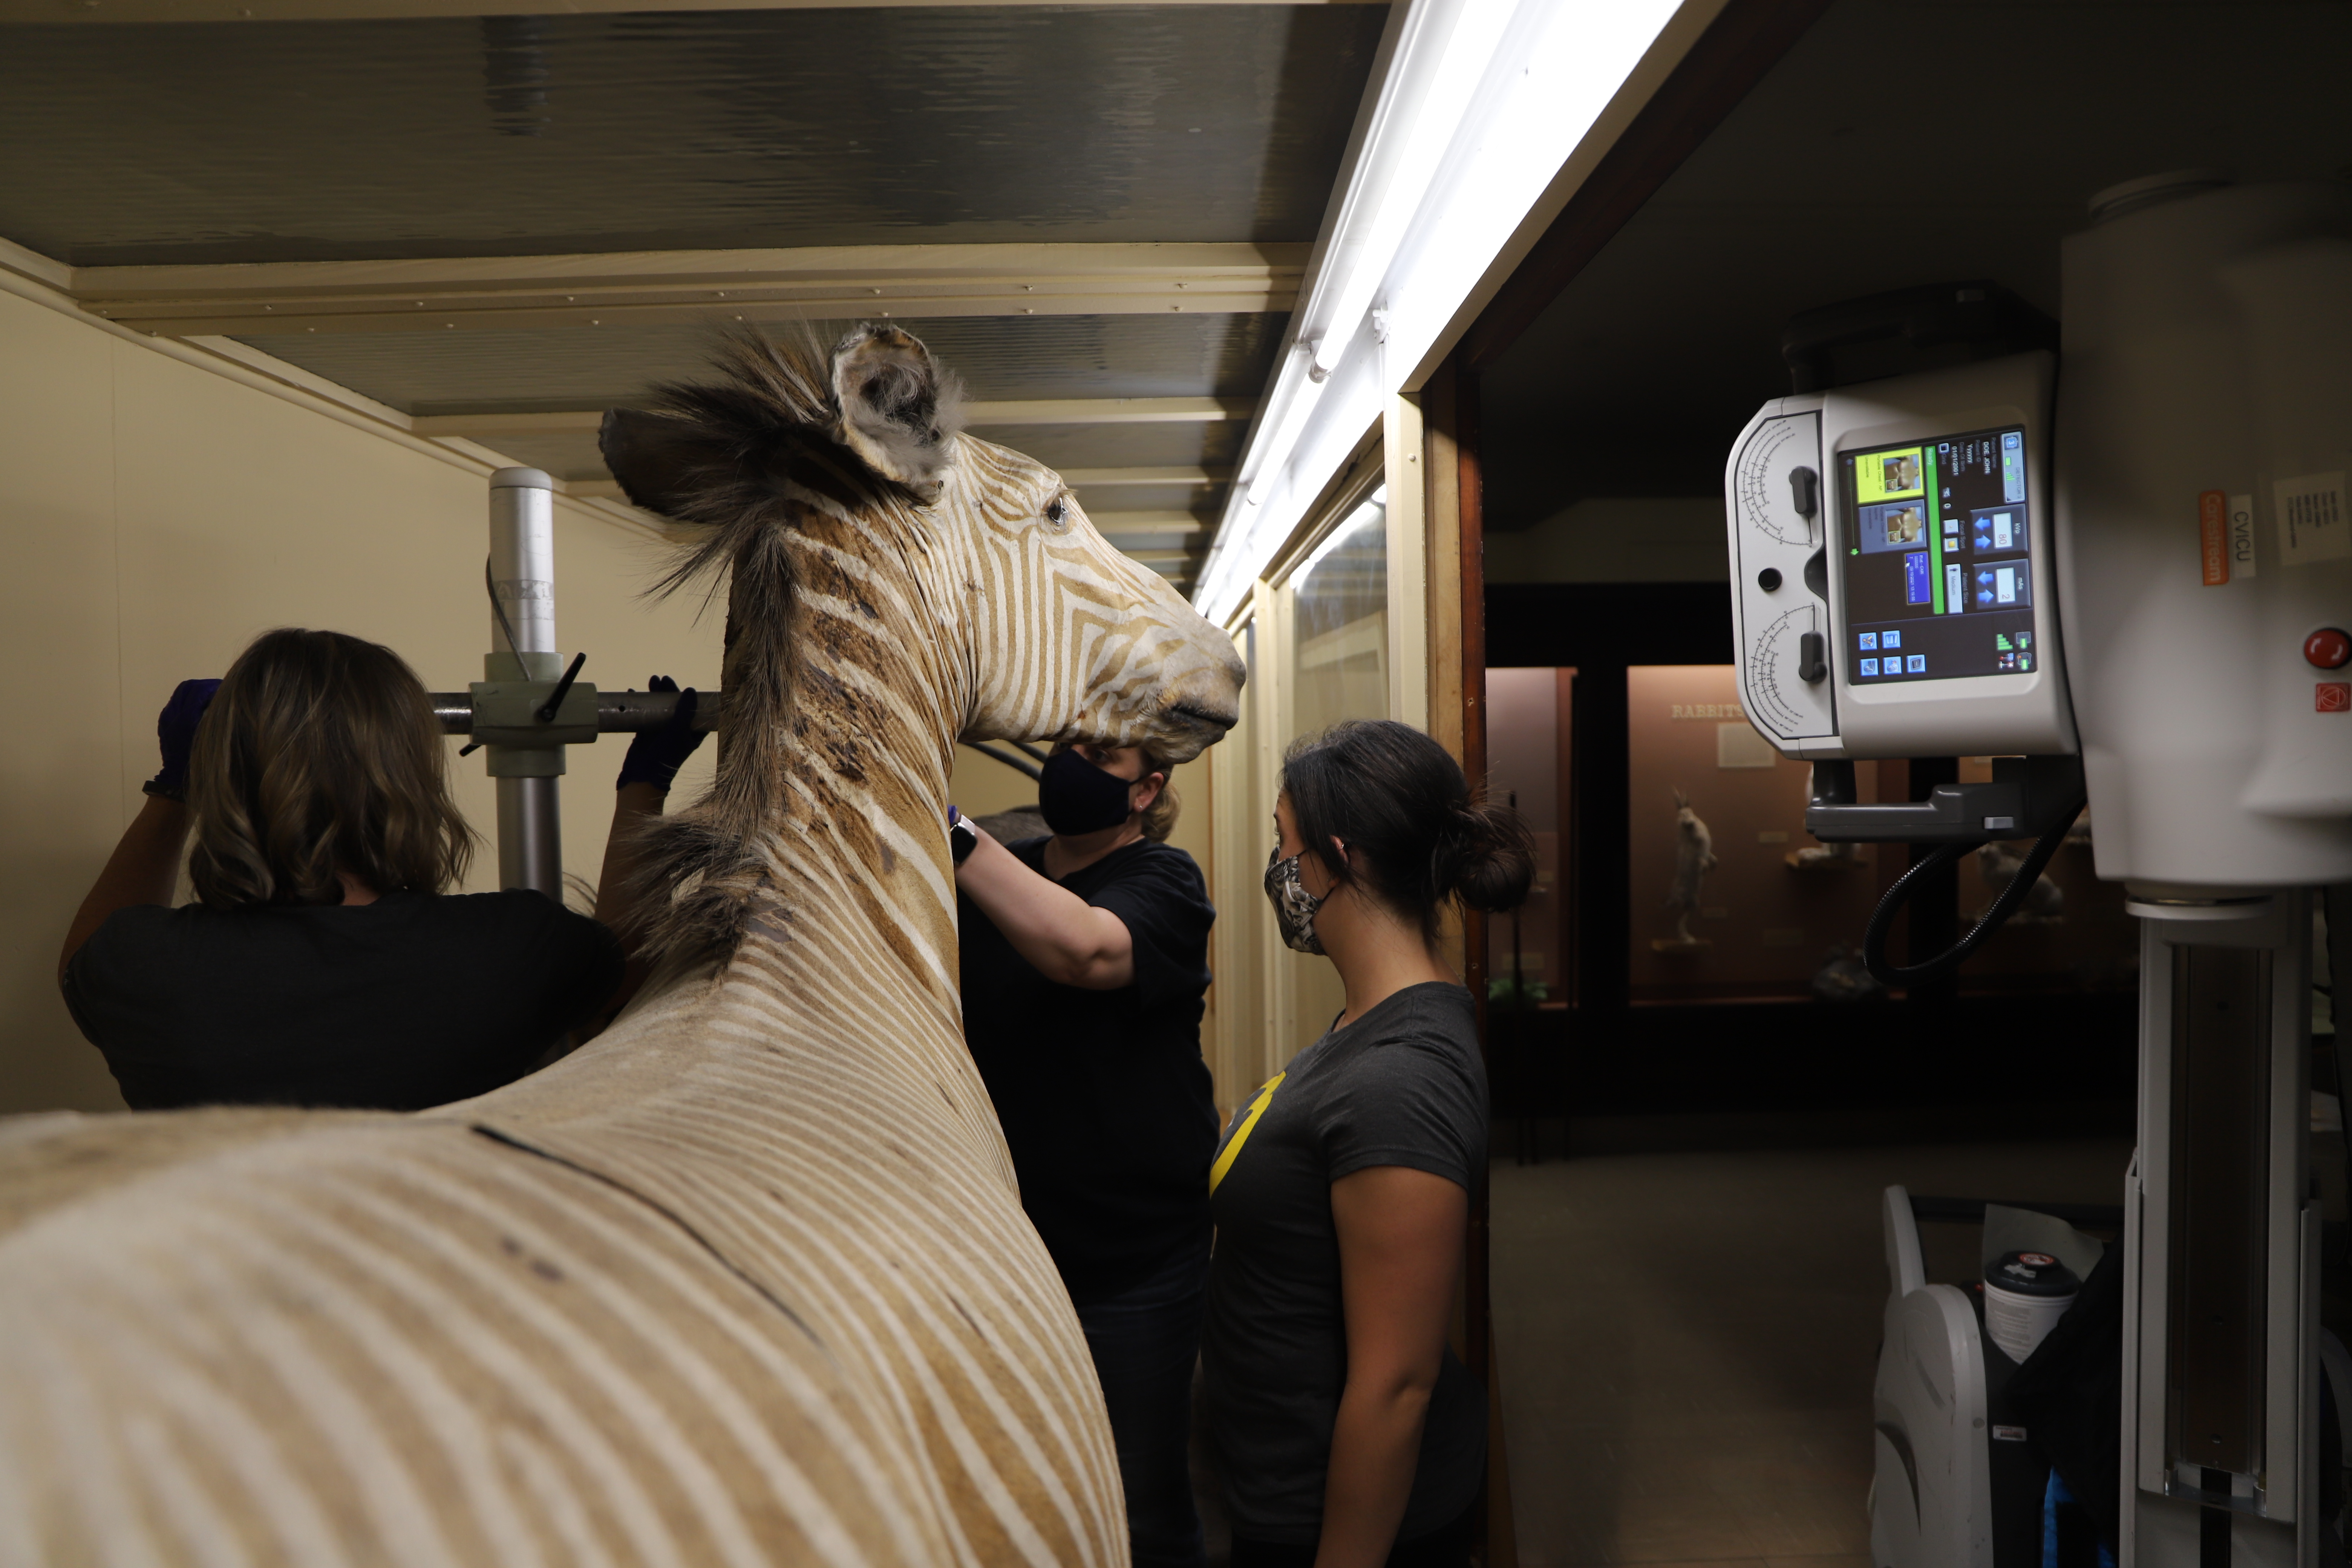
x=1160 y=816
x=319 y=755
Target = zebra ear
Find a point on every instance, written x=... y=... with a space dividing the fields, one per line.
x=661 y=461
x=899 y=411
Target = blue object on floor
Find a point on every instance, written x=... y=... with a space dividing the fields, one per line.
x=2054 y=1497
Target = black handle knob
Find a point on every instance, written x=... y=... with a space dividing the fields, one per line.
x=1804 y=490
x=546 y=710
x=1769 y=579
x=1811 y=668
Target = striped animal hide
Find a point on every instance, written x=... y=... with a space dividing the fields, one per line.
x=745 y=1280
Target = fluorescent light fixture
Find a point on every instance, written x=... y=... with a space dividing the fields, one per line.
x=1481 y=104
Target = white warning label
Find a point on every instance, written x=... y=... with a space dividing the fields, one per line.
x=2312 y=525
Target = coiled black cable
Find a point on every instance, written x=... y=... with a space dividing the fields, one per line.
x=1882 y=918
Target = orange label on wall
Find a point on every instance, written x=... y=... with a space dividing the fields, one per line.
x=2213 y=536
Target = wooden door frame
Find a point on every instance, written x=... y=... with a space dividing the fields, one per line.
x=1743 y=42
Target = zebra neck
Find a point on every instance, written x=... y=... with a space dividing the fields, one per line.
x=859 y=882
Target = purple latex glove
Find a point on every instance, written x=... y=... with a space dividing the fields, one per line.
x=655 y=755
x=175 y=728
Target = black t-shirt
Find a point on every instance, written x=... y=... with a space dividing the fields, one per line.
x=414 y=1000
x=1400 y=1086
x=1103 y=1097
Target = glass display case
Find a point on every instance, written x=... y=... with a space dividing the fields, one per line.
x=1531 y=950
x=1339 y=624
x=1339 y=612
x=1731 y=899
x=1316 y=641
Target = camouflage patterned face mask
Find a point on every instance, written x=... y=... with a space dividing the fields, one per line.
x=1294 y=906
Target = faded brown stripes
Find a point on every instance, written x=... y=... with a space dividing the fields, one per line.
x=746 y=1281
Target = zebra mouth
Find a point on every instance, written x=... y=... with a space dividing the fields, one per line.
x=1220 y=722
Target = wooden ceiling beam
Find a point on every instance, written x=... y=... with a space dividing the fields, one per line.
x=1118 y=525
x=1109 y=411
x=633 y=287
x=376 y=10
x=985 y=416
x=1098 y=479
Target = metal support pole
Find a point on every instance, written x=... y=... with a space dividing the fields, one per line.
x=2219 y=1358
x=522 y=575
x=522 y=647
x=530 y=837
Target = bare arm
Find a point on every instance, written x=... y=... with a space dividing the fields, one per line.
x=143 y=869
x=1400 y=1235
x=1070 y=941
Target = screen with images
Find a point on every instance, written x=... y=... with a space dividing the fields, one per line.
x=1938 y=559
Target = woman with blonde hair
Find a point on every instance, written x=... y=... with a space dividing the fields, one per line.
x=324 y=962
x=1085 y=966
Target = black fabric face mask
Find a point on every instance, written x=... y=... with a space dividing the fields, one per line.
x=1076 y=796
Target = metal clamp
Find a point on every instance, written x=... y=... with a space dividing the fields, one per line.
x=505 y=717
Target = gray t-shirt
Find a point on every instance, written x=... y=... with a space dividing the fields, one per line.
x=1402 y=1085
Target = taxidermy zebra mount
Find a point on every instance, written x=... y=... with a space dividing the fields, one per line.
x=746 y=1278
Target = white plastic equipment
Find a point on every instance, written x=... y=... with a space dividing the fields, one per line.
x=1798 y=485
x=2191 y=641
x=1931 y=1493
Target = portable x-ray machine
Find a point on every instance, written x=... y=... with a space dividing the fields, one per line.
x=2146 y=589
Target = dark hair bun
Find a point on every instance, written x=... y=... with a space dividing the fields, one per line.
x=1396 y=798
x=1490 y=857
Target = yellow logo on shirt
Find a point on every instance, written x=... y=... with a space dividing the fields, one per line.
x=1242 y=1129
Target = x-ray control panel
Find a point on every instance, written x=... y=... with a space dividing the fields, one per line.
x=1939 y=563
x=1892 y=570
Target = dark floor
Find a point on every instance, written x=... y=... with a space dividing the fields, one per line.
x=1686 y=1341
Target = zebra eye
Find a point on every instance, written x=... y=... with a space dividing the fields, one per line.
x=1058 y=512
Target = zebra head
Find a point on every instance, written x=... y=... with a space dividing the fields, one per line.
x=1077 y=640
x=931 y=584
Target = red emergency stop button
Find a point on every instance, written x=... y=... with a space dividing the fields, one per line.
x=2327 y=648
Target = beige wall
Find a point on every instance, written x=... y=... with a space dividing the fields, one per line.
x=153 y=518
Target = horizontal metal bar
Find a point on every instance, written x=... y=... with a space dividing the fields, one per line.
x=620 y=712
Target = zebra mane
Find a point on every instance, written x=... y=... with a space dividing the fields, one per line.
x=785 y=427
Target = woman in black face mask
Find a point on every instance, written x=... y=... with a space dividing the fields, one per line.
x=1084 y=963
x=1349 y=1437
